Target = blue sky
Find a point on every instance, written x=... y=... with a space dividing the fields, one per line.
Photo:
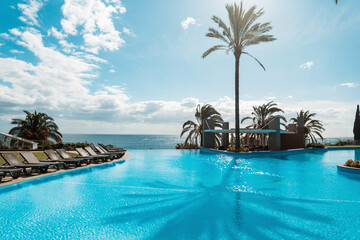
x=111 y=66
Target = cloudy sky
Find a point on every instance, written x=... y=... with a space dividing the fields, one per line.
x=111 y=66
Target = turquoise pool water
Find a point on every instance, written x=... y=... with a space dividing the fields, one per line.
x=169 y=194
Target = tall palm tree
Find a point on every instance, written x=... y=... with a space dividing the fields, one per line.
x=36 y=126
x=206 y=112
x=242 y=33
x=312 y=126
x=262 y=115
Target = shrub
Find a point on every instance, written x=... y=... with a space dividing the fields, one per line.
x=68 y=146
x=186 y=146
x=349 y=163
x=357 y=163
x=242 y=149
x=315 y=145
x=222 y=148
x=346 y=142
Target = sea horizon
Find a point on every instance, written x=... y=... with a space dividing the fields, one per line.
x=147 y=141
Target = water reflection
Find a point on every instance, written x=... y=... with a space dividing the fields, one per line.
x=357 y=154
x=228 y=210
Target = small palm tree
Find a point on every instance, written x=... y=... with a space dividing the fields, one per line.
x=242 y=33
x=262 y=115
x=206 y=112
x=36 y=126
x=312 y=126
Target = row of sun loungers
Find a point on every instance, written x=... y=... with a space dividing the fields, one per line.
x=57 y=159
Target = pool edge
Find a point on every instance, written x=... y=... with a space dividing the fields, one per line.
x=18 y=182
x=274 y=153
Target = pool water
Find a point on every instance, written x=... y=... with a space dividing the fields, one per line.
x=174 y=194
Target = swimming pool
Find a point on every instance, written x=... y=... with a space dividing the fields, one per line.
x=174 y=194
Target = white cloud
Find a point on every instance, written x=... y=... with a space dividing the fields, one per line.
x=90 y=57
x=15 y=31
x=112 y=70
x=6 y=36
x=67 y=47
x=350 y=85
x=336 y=116
x=46 y=83
x=128 y=32
x=30 y=11
x=307 y=65
x=16 y=51
x=271 y=98
x=94 y=18
x=54 y=32
x=185 y=23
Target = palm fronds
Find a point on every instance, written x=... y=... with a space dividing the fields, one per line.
x=242 y=32
x=194 y=130
x=36 y=126
x=312 y=126
x=262 y=115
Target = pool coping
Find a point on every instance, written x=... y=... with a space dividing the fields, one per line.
x=17 y=183
x=275 y=153
x=343 y=168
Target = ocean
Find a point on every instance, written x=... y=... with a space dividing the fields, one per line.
x=127 y=141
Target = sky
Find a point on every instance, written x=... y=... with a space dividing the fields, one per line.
x=135 y=67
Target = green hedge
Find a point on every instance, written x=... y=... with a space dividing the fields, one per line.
x=315 y=145
x=186 y=146
x=68 y=146
x=344 y=143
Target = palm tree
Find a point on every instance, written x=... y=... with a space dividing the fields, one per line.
x=206 y=112
x=36 y=126
x=312 y=126
x=262 y=115
x=356 y=129
x=243 y=32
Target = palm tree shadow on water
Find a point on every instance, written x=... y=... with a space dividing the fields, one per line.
x=213 y=212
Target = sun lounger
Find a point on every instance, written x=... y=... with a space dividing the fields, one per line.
x=119 y=154
x=30 y=158
x=12 y=160
x=65 y=155
x=119 y=151
x=54 y=157
x=109 y=149
x=115 y=154
x=13 y=172
x=92 y=153
x=84 y=153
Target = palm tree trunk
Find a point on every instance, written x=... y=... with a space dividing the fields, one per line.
x=237 y=107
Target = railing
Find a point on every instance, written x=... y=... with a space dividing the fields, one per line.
x=9 y=140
